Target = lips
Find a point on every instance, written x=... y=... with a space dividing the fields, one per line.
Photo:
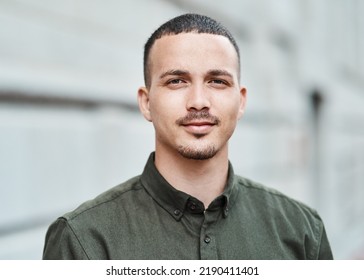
x=199 y=127
x=198 y=122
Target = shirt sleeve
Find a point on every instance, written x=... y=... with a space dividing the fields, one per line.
x=61 y=243
x=325 y=252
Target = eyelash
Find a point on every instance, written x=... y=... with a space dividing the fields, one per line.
x=219 y=81
x=173 y=81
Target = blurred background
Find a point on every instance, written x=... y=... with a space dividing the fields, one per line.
x=70 y=127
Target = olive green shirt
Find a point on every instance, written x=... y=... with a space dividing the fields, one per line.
x=146 y=218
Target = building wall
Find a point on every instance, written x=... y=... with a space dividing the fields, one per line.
x=70 y=127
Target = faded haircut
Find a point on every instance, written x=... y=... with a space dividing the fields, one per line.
x=187 y=23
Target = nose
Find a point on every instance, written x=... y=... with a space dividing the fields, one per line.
x=198 y=99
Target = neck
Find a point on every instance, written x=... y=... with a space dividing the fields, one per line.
x=203 y=179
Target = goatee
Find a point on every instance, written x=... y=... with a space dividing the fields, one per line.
x=197 y=154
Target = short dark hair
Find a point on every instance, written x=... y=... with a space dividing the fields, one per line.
x=187 y=23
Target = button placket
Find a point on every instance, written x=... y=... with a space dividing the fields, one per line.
x=208 y=249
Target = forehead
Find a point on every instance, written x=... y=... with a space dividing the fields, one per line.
x=191 y=51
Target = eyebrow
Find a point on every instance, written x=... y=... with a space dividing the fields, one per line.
x=213 y=72
x=219 y=72
x=173 y=73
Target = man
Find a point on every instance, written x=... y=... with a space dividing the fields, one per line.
x=188 y=203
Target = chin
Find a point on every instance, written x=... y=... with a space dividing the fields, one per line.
x=197 y=153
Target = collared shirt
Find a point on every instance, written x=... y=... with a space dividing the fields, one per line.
x=146 y=218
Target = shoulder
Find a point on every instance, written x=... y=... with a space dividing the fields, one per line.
x=270 y=199
x=280 y=215
x=107 y=201
x=83 y=232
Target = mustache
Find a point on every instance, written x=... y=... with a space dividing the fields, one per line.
x=198 y=115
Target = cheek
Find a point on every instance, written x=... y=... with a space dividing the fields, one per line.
x=163 y=113
x=229 y=110
x=166 y=105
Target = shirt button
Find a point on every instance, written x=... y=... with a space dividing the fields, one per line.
x=177 y=212
x=226 y=211
x=193 y=206
x=207 y=239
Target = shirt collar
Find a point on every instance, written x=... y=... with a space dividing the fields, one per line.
x=175 y=202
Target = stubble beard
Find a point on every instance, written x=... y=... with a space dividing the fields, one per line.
x=197 y=153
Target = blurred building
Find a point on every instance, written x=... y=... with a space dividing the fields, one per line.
x=70 y=127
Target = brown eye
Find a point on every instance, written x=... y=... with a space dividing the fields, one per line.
x=219 y=82
x=175 y=82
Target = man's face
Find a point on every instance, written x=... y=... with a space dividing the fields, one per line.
x=194 y=99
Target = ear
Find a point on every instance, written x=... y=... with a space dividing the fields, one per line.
x=243 y=92
x=143 y=101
